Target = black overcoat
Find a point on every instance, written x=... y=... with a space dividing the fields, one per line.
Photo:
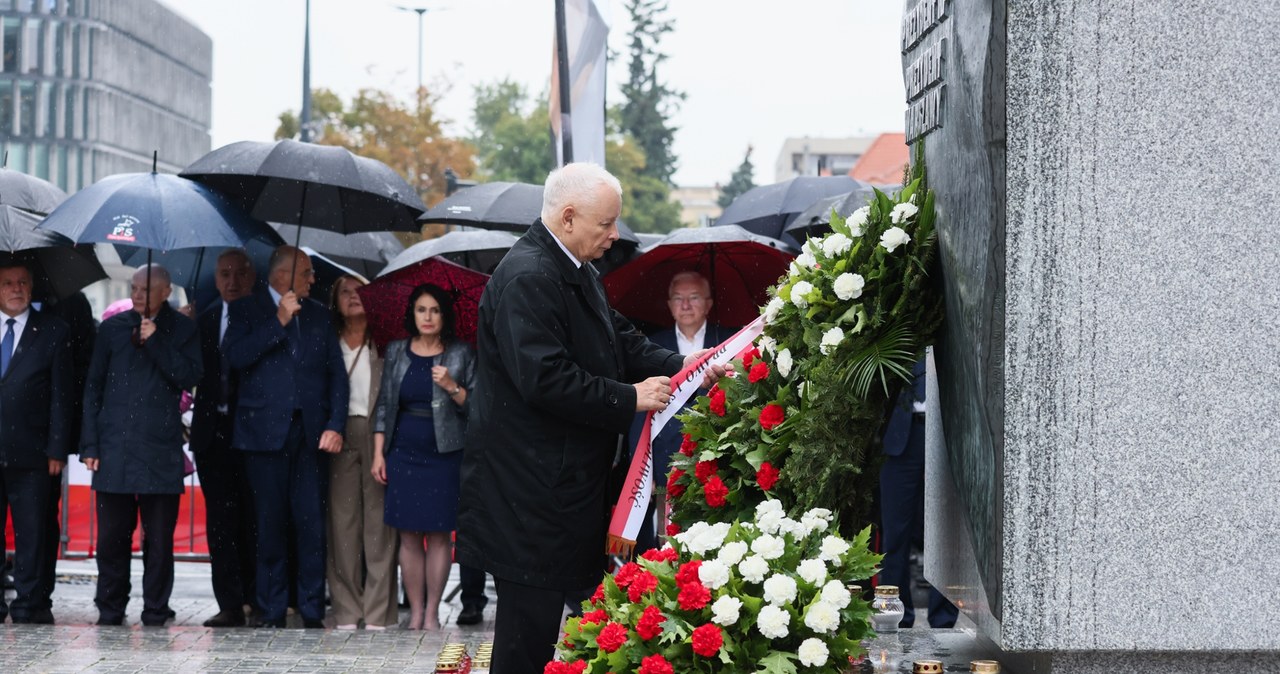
x=554 y=390
x=131 y=420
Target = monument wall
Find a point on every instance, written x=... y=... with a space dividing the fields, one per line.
x=1107 y=381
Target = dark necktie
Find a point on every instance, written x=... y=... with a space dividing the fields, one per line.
x=595 y=294
x=6 y=348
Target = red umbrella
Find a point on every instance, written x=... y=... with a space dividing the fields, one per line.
x=387 y=296
x=740 y=266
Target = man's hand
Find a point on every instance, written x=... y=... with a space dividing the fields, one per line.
x=91 y=464
x=188 y=310
x=289 y=307
x=653 y=394
x=146 y=329
x=331 y=442
x=55 y=467
x=713 y=373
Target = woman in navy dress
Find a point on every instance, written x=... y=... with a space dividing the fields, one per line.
x=419 y=423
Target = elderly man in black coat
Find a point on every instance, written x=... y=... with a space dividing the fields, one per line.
x=553 y=395
x=132 y=441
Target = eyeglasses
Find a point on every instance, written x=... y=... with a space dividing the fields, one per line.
x=691 y=300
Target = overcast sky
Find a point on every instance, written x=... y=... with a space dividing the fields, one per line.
x=755 y=71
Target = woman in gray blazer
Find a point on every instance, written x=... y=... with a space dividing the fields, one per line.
x=418 y=425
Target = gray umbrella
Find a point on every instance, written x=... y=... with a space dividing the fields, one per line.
x=366 y=253
x=474 y=249
x=816 y=219
x=29 y=193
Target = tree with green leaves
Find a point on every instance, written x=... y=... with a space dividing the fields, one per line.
x=646 y=199
x=511 y=137
x=649 y=103
x=739 y=182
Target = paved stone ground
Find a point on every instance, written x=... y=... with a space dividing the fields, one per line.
x=76 y=645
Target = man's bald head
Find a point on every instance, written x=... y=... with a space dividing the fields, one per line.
x=150 y=288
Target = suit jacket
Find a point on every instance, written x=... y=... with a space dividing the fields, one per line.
x=668 y=441
x=209 y=392
x=282 y=372
x=897 y=434
x=553 y=392
x=131 y=418
x=450 y=419
x=37 y=395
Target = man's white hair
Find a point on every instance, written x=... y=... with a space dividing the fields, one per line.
x=689 y=275
x=574 y=183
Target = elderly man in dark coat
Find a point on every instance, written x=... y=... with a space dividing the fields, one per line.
x=552 y=397
x=132 y=441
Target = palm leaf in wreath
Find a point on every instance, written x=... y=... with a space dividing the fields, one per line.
x=892 y=354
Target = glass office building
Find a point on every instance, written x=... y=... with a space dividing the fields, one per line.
x=89 y=88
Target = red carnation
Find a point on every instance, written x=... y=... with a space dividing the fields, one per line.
x=650 y=623
x=672 y=528
x=715 y=491
x=717 y=400
x=611 y=637
x=707 y=640
x=626 y=574
x=693 y=596
x=771 y=416
x=758 y=371
x=593 y=617
x=599 y=595
x=705 y=469
x=749 y=356
x=688 y=445
x=558 y=667
x=655 y=664
x=643 y=582
x=688 y=573
x=767 y=476
x=674 y=488
x=660 y=555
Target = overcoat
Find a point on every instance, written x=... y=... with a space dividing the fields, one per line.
x=131 y=420
x=554 y=391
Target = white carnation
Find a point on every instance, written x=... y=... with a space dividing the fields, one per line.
x=848 y=286
x=813 y=652
x=799 y=293
x=813 y=571
x=773 y=622
x=833 y=549
x=771 y=310
x=836 y=244
x=701 y=537
x=726 y=610
x=792 y=528
x=858 y=220
x=769 y=505
x=792 y=269
x=822 y=617
x=714 y=574
x=893 y=237
x=830 y=340
x=753 y=568
x=769 y=547
x=767 y=343
x=780 y=589
x=901 y=212
x=806 y=260
x=816 y=520
x=783 y=363
x=732 y=553
x=769 y=522
x=836 y=594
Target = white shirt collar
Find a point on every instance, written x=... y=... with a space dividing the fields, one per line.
x=275 y=296
x=577 y=264
x=688 y=346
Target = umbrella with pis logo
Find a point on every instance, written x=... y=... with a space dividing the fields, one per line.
x=151 y=211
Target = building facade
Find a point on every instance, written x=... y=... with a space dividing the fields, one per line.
x=89 y=88
x=698 y=204
x=819 y=156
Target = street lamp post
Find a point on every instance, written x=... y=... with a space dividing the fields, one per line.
x=305 y=121
x=420 y=11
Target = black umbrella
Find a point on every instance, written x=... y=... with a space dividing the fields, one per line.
x=816 y=220
x=768 y=209
x=58 y=269
x=507 y=206
x=29 y=193
x=480 y=250
x=365 y=253
x=318 y=186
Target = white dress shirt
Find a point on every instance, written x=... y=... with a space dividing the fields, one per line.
x=361 y=369
x=687 y=346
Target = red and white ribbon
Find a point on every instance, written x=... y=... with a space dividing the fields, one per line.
x=633 y=503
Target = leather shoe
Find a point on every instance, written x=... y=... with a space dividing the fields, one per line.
x=313 y=624
x=226 y=619
x=110 y=622
x=276 y=624
x=470 y=615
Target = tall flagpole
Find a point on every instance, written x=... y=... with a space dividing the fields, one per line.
x=305 y=134
x=564 y=82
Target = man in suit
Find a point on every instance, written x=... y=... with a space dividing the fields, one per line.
x=291 y=410
x=36 y=389
x=902 y=501
x=228 y=507
x=689 y=299
x=131 y=440
x=552 y=397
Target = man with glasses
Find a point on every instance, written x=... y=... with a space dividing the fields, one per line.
x=290 y=412
x=689 y=299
